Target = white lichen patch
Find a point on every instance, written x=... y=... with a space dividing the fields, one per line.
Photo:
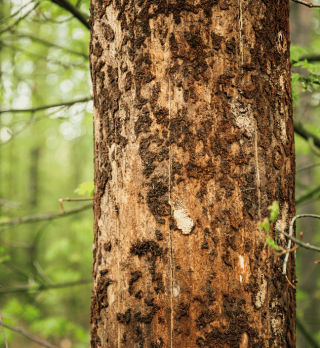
x=243 y=116
x=176 y=290
x=241 y=259
x=283 y=130
x=261 y=295
x=277 y=323
x=281 y=43
x=282 y=223
x=182 y=217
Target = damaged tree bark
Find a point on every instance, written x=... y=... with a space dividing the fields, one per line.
x=193 y=141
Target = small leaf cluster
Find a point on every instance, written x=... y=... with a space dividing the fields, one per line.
x=265 y=226
x=86 y=188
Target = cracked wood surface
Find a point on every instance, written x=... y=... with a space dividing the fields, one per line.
x=193 y=141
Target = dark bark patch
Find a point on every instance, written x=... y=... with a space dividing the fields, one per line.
x=108 y=32
x=124 y=318
x=277 y=157
x=182 y=310
x=107 y=246
x=206 y=317
x=134 y=278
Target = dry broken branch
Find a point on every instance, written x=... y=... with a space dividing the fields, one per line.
x=305 y=3
x=72 y=200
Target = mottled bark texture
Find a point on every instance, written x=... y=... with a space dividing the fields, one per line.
x=193 y=142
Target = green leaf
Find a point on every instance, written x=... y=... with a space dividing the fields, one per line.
x=274 y=211
x=86 y=188
x=271 y=243
x=3 y=255
x=265 y=225
x=296 y=52
x=295 y=78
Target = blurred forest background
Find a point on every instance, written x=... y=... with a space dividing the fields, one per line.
x=46 y=153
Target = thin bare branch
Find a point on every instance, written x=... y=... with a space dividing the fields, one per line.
x=31 y=337
x=32 y=120
x=10 y=27
x=300 y=129
x=310 y=58
x=41 y=217
x=9 y=204
x=290 y=282
x=297 y=241
x=43 y=287
x=72 y=9
x=32 y=54
x=305 y=3
x=307 y=196
x=44 y=107
x=72 y=200
x=300 y=243
x=313 y=147
x=51 y=44
x=15 y=13
x=308 y=167
x=306 y=334
x=3 y=333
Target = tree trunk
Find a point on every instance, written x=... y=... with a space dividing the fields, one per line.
x=193 y=142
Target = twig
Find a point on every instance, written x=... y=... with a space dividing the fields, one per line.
x=44 y=107
x=299 y=129
x=306 y=334
x=3 y=333
x=307 y=196
x=310 y=166
x=308 y=4
x=72 y=9
x=43 y=287
x=31 y=337
x=34 y=251
x=41 y=272
x=15 y=269
x=15 y=13
x=72 y=200
x=10 y=27
x=297 y=241
x=310 y=58
x=290 y=282
x=33 y=119
x=51 y=44
x=40 y=56
x=9 y=204
x=40 y=217
x=313 y=147
x=293 y=249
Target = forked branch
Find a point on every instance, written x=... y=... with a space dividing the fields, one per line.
x=72 y=200
x=291 y=238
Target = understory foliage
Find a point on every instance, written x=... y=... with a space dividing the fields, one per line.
x=46 y=153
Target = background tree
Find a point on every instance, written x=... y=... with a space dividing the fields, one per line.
x=44 y=62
